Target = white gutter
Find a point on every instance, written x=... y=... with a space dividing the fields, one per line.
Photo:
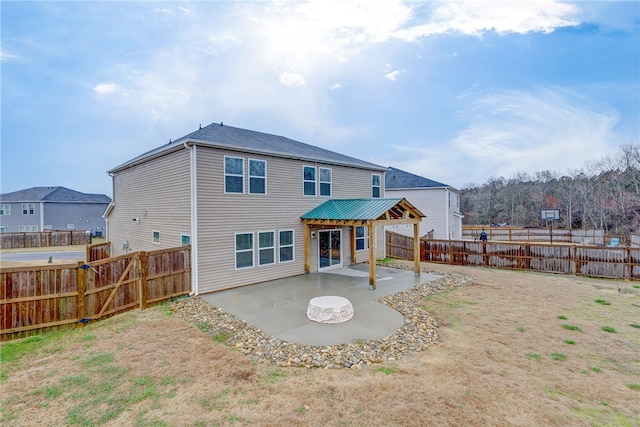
x=194 y=216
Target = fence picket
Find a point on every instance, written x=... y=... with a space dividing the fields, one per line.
x=33 y=299
x=593 y=261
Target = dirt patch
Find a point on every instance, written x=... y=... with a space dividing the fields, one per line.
x=504 y=358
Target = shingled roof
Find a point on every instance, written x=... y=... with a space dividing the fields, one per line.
x=399 y=179
x=53 y=194
x=228 y=137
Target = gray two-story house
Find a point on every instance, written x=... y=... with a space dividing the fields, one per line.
x=52 y=208
x=253 y=206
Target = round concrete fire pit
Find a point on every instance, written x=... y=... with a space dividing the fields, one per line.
x=329 y=309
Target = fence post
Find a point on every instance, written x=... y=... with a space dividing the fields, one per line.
x=629 y=266
x=142 y=280
x=484 y=253
x=81 y=279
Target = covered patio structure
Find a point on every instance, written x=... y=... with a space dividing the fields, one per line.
x=370 y=213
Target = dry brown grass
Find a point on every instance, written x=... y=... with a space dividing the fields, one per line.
x=484 y=371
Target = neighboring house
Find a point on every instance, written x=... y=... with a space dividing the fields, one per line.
x=238 y=197
x=52 y=208
x=439 y=201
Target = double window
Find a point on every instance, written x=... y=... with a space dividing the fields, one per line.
x=234 y=175
x=28 y=209
x=5 y=209
x=310 y=181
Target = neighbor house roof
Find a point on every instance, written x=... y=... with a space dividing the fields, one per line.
x=396 y=179
x=355 y=209
x=223 y=136
x=53 y=195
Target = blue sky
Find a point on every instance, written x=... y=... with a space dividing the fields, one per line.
x=458 y=92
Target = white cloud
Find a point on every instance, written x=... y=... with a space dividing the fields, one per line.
x=393 y=75
x=7 y=56
x=513 y=131
x=542 y=129
x=291 y=79
x=476 y=17
x=105 y=88
x=337 y=85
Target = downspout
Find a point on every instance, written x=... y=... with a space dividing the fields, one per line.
x=194 y=216
x=41 y=216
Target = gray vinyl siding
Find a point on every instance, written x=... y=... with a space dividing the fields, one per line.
x=83 y=216
x=11 y=223
x=158 y=192
x=221 y=216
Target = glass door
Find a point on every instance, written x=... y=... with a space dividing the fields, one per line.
x=330 y=250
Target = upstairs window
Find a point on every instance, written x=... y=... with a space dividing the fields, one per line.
x=257 y=176
x=233 y=174
x=325 y=182
x=156 y=236
x=375 y=185
x=5 y=209
x=309 y=180
x=28 y=209
x=185 y=239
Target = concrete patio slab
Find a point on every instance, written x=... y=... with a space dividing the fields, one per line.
x=279 y=307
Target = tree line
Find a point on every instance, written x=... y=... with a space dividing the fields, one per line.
x=604 y=194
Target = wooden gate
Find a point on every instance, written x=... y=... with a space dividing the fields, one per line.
x=112 y=285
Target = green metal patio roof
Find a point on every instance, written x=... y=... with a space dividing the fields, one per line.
x=354 y=209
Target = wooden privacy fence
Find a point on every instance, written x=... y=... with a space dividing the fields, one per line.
x=33 y=299
x=593 y=261
x=45 y=238
x=98 y=251
x=519 y=234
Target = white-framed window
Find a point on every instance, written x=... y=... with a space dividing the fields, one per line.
x=362 y=238
x=257 y=176
x=28 y=209
x=27 y=228
x=185 y=239
x=266 y=247
x=244 y=250
x=376 y=187
x=47 y=227
x=233 y=174
x=71 y=226
x=325 y=182
x=156 y=236
x=5 y=209
x=285 y=243
x=309 y=180
x=3 y=229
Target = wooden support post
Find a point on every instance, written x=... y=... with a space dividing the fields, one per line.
x=82 y=280
x=353 y=244
x=142 y=281
x=307 y=242
x=372 y=255
x=416 y=249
